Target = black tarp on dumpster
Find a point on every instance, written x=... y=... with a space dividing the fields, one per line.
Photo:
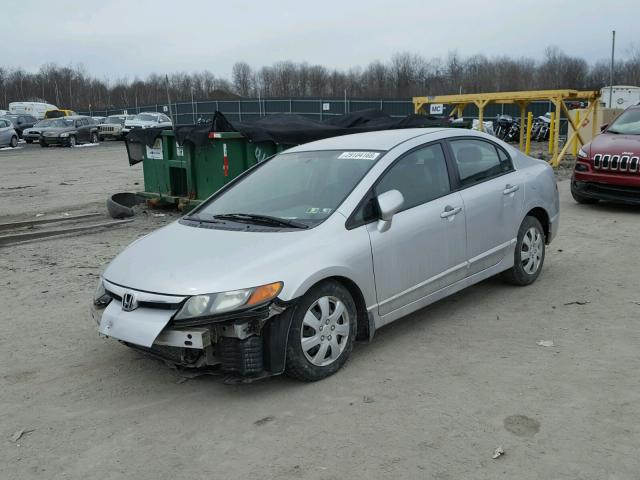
x=290 y=129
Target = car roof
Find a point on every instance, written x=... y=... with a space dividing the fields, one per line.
x=378 y=140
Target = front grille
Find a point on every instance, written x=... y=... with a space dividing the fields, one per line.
x=156 y=305
x=616 y=163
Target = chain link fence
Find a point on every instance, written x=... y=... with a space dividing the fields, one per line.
x=188 y=113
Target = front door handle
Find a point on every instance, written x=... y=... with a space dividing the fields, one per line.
x=450 y=211
x=509 y=189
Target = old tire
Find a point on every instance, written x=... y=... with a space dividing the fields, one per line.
x=323 y=329
x=14 y=142
x=529 y=253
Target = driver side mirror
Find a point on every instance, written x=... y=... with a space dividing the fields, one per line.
x=389 y=203
x=603 y=127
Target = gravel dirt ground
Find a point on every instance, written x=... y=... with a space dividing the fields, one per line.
x=431 y=397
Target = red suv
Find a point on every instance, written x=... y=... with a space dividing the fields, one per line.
x=608 y=168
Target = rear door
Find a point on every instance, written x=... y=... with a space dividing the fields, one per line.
x=424 y=249
x=493 y=200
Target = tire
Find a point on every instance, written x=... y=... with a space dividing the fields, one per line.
x=44 y=145
x=28 y=140
x=14 y=142
x=581 y=199
x=527 y=266
x=101 y=138
x=95 y=138
x=72 y=141
x=313 y=317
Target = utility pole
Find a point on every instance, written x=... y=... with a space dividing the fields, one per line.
x=169 y=99
x=613 y=49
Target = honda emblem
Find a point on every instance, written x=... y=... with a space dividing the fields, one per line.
x=128 y=302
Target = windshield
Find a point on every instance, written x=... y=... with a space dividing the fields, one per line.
x=60 y=123
x=119 y=120
x=627 y=123
x=44 y=123
x=145 y=117
x=305 y=187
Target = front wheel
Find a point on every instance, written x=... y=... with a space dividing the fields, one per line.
x=94 y=138
x=72 y=141
x=529 y=254
x=43 y=144
x=322 y=332
x=28 y=140
x=14 y=142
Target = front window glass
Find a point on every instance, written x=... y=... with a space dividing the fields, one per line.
x=305 y=187
x=421 y=176
x=628 y=123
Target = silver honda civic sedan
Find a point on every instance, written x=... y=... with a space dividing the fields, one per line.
x=284 y=268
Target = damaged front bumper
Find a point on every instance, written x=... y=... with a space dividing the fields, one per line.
x=249 y=344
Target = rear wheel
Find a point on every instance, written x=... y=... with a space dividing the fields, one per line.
x=529 y=254
x=322 y=332
x=14 y=142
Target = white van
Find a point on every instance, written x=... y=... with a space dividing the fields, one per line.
x=623 y=96
x=36 y=109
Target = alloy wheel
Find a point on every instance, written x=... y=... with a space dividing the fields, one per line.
x=532 y=250
x=325 y=331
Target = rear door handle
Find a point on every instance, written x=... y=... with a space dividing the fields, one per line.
x=509 y=189
x=450 y=211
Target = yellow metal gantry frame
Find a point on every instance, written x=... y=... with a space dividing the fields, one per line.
x=522 y=99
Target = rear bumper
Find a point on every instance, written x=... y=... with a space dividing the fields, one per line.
x=601 y=191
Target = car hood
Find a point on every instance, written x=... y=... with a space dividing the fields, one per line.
x=615 y=144
x=58 y=130
x=184 y=260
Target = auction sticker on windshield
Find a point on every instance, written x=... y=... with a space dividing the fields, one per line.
x=359 y=155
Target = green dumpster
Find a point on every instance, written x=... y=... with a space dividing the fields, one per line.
x=186 y=175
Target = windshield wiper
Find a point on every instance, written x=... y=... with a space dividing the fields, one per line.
x=264 y=219
x=198 y=218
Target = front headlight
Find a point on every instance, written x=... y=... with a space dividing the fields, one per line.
x=101 y=298
x=582 y=153
x=216 y=303
x=64 y=135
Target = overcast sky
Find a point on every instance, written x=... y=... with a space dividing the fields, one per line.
x=126 y=38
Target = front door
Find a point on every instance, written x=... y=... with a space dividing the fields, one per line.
x=493 y=200
x=424 y=250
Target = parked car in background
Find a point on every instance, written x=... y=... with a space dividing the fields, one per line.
x=147 y=120
x=70 y=131
x=8 y=135
x=98 y=120
x=326 y=242
x=37 y=109
x=608 y=168
x=21 y=122
x=32 y=134
x=112 y=126
x=58 y=113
